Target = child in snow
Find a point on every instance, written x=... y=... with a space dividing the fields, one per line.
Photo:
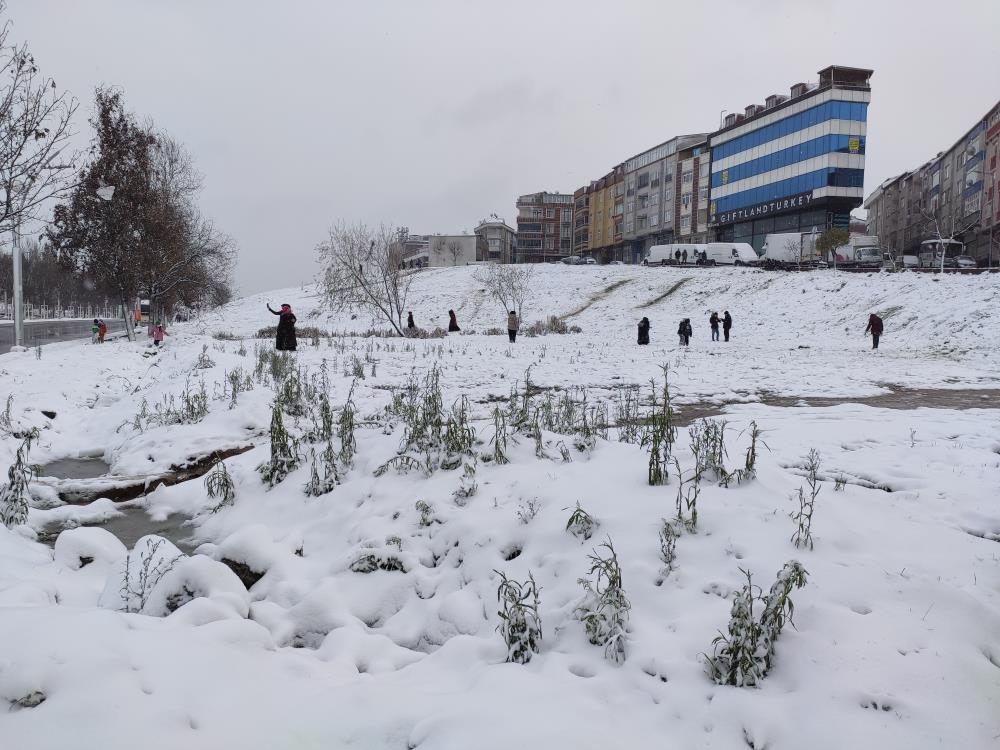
x=94 y=330
x=102 y=331
x=159 y=331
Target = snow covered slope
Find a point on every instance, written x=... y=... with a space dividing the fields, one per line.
x=896 y=635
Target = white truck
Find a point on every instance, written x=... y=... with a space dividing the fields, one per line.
x=788 y=248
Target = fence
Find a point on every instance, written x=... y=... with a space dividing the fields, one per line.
x=56 y=312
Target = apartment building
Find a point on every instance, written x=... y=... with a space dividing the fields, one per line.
x=954 y=193
x=544 y=227
x=607 y=216
x=498 y=242
x=793 y=163
x=662 y=193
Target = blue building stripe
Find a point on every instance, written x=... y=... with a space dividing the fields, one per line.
x=826 y=177
x=825 y=144
x=833 y=110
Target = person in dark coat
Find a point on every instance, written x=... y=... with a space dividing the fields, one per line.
x=452 y=322
x=727 y=323
x=874 y=327
x=409 y=320
x=677 y=255
x=688 y=331
x=713 y=322
x=285 y=340
x=684 y=256
x=644 y=331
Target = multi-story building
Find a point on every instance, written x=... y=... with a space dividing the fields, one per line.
x=498 y=242
x=544 y=227
x=607 y=216
x=581 y=220
x=955 y=193
x=794 y=163
x=662 y=192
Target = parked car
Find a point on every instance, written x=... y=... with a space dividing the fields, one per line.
x=572 y=260
x=965 y=261
x=616 y=263
x=589 y=261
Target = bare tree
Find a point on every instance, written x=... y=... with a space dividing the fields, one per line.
x=455 y=250
x=508 y=284
x=439 y=247
x=363 y=271
x=36 y=157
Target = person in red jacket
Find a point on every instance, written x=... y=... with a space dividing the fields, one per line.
x=875 y=328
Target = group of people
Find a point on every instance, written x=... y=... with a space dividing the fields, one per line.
x=98 y=331
x=685 y=331
x=513 y=323
x=681 y=256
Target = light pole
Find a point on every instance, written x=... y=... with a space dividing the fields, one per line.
x=18 y=291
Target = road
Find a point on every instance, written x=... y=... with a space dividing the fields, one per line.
x=48 y=331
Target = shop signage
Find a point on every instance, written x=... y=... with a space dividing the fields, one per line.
x=800 y=200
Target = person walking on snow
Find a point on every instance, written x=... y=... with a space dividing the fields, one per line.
x=102 y=331
x=159 y=331
x=684 y=332
x=284 y=339
x=727 y=323
x=684 y=256
x=452 y=322
x=677 y=255
x=713 y=322
x=513 y=323
x=409 y=320
x=874 y=327
x=94 y=330
x=644 y=331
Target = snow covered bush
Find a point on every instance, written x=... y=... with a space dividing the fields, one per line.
x=237 y=382
x=379 y=559
x=520 y=624
x=499 y=437
x=130 y=585
x=14 y=494
x=219 y=484
x=743 y=657
x=803 y=518
x=345 y=430
x=581 y=524
x=322 y=482
x=468 y=485
x=88 y=545
x=668 y=546
x=204 y=362
x=426 y=512
x=708 y=445
x=688 y=490
x=748 y=471
x=604 y=610
x=284 y=452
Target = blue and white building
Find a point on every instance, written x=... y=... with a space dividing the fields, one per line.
x=793 y=164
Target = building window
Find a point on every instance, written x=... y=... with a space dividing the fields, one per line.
x=654 y=220
x=702 y=217
x=630 y=207
x=685 y=223
x=686 y=200
x=654 y=199
x=550 y=243
x=628 y=226
x=550 y=213
x=640 y=223
x=703 y=193
x=550 y=229
x=643 y=201
x=643 y=180
x=703 y=170
x=686 y=177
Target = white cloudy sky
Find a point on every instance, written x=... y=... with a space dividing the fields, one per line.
x=435 y=113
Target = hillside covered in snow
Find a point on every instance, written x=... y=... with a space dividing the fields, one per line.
x=464 y=543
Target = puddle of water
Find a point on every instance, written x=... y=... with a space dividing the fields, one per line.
x=75 y=468
x=131 y=526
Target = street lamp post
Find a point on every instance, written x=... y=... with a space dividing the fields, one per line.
x=18 y=292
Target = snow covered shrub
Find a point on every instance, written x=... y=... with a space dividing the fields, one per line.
x=743 y=657
x=226 y=336
x=459 y=435
x=345 y=430
x=394 y=541
x=242 y=350
x=322 y=482
x=219 y=484
x=374 y=560
x=143 y=568
x=355 y=368
x=426 y=512
x=778 y=607
x=668 y=546
x=626 y=411
x=204 y=362
x=604 y=610
x=289 y=393
x=748 y=471
x=499 y=437
x=527 y=511
x=5 y=416
x=803 y=533
x=14 y=495
x=687 y=496
x=284 y=452
x=581 y=524
x=520 y=624
x=708 y=444
x=736 y=658
x=468 y=485
x=237 y=382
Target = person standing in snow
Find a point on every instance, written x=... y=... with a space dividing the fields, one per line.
x=513 y=323
x=682 y=334
x=644 y=331
x=677 y=255
x=159 y=331
x=727 y=323
x=452 y=322
x=284 y=339
x=713 y=322
x=409 y=320
x=874 y=327
x=684 y=256
x=94 y=330
x=102 y=331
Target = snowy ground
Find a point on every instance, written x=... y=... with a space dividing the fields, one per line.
x=896 y=638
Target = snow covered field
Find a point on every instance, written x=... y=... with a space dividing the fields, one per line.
x=896 y=637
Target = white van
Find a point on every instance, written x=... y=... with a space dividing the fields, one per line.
x=729 y=253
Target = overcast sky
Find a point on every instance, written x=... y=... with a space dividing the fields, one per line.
x=435 y=114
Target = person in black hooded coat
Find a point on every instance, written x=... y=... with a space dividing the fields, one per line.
x=285 y=338
x=644 y=331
